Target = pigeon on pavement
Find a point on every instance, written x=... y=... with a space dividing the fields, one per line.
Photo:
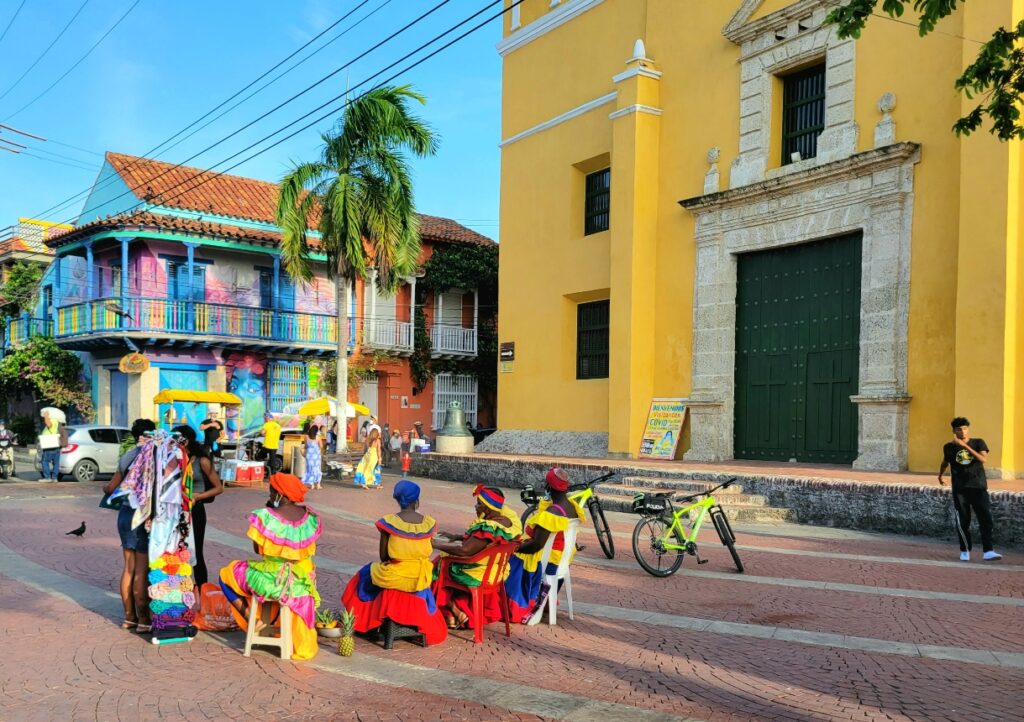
x=77 y=532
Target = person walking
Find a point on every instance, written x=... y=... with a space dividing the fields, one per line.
x=965 y=458
x=395 y=444
x=52 y=438
x=271 y=442
x=313 y=477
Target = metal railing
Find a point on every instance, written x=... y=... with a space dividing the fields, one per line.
x=154 y=315
x=387 y=334
x=446 y=339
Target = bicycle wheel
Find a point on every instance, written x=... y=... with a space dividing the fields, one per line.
x=724 y=530
x=652 y=556
x=601 y=528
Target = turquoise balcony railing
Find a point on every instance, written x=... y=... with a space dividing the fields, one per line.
x=194 y=319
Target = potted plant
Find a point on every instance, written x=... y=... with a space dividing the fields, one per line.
x=327 y=623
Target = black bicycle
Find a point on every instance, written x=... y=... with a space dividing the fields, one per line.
x=582 y=494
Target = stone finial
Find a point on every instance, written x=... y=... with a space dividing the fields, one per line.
x=639 y=50
x=711 y=177
x=885 y=129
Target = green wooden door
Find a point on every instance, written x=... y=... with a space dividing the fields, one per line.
x=797 y=352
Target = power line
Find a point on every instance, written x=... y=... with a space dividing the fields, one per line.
x=150 y=152
x=322 y=80
x=77 y=62
x=48 y=48
x=11 y=21
x=59 y=162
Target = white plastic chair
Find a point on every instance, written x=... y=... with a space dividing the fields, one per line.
x=561 y=573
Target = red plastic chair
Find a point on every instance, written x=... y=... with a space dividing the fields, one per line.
x=496 y=556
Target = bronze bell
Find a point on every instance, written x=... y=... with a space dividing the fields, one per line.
x=454 y=421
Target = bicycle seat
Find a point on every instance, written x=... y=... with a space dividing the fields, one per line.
x=578 y=487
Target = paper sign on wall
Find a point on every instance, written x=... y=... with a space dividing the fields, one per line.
x=663 y=429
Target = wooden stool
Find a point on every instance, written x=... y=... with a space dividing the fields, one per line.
x=282 y=641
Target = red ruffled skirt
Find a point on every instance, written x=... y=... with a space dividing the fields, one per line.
x=372 y=605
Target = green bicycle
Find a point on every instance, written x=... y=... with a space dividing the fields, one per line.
x=659 y=540
x=582 y=494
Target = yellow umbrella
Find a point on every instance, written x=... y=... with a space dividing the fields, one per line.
x=328 y=406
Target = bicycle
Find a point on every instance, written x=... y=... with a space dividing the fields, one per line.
x=661 y=522
x=582 y=494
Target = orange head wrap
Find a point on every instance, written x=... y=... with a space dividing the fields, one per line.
x=288 y=485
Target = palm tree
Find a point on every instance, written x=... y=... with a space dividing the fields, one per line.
x=359 y=194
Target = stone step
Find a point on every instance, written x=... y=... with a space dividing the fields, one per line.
x=745 y=508
x=725 y=500
x=679 y=485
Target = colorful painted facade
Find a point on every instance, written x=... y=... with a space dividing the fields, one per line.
x=723 y=202
x=184 y=265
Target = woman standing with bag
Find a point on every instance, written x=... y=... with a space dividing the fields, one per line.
x=52 y=439
x=134 y=542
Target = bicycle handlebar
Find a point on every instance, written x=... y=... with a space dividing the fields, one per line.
x=724 y=485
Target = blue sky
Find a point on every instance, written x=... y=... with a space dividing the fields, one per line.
x=167 y=64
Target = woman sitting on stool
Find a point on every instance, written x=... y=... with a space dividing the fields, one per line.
x=398 y=586
x=284 y=532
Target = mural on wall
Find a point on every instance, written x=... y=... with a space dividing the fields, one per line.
x=182 y=412
x=246 y=378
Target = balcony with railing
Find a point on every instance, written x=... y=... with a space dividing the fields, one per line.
x=20 y=330
x=171 y=322
x=450 y=341
x=388 y=335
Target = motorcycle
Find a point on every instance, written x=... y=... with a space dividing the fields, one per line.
x=6 y=458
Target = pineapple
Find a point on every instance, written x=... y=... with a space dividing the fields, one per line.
x=347 y=644
x=326 y=619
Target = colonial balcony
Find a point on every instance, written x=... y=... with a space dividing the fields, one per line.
x=388 y=335
x=20 y=330
x=448 y=341
x=161 y=322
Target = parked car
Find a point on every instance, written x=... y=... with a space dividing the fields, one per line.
x=92 y=450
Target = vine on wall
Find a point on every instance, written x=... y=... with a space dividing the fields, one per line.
x=468 y=267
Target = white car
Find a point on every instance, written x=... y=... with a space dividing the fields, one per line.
x=92 y=450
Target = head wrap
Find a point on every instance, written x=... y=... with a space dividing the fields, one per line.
x=489 y=496
x=288 y=485
x=406 y=492
x=557 y=479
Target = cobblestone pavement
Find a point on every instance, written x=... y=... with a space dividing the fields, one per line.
x=825 y=624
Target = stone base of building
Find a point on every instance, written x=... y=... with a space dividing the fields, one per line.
x=454 y=444
x=591 y=445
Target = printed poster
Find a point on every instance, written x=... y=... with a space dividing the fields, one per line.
x=663 y=429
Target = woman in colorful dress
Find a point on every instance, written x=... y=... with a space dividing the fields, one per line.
x=525 y=578
x=284 y=533
x=368 y=471
x=398 y=586
x=314 y=473
x=495 y=524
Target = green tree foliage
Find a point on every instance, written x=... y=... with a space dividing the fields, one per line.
x=359 y=196
x=996 y=77
x=51 y=374
x=19 y=291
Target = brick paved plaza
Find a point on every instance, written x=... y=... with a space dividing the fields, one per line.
x=825 y=624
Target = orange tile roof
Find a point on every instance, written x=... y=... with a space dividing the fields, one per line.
x=204 y=191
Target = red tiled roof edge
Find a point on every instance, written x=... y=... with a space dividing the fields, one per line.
x=239 y=197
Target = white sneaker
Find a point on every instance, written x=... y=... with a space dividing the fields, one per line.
x=965 y=556
x=992 y=556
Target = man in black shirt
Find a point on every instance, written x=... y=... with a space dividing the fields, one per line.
x=212 y=430
x=966 y=458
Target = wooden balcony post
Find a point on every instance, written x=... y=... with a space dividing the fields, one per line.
x=190 y=306
x=55 y=292
x=275 y=299
x=90 y=281
x=476 y=320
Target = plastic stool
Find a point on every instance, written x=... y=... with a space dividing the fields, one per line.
x=283 y=639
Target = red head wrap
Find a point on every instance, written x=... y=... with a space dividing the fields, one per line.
x=557 y=479
x=288 y=485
